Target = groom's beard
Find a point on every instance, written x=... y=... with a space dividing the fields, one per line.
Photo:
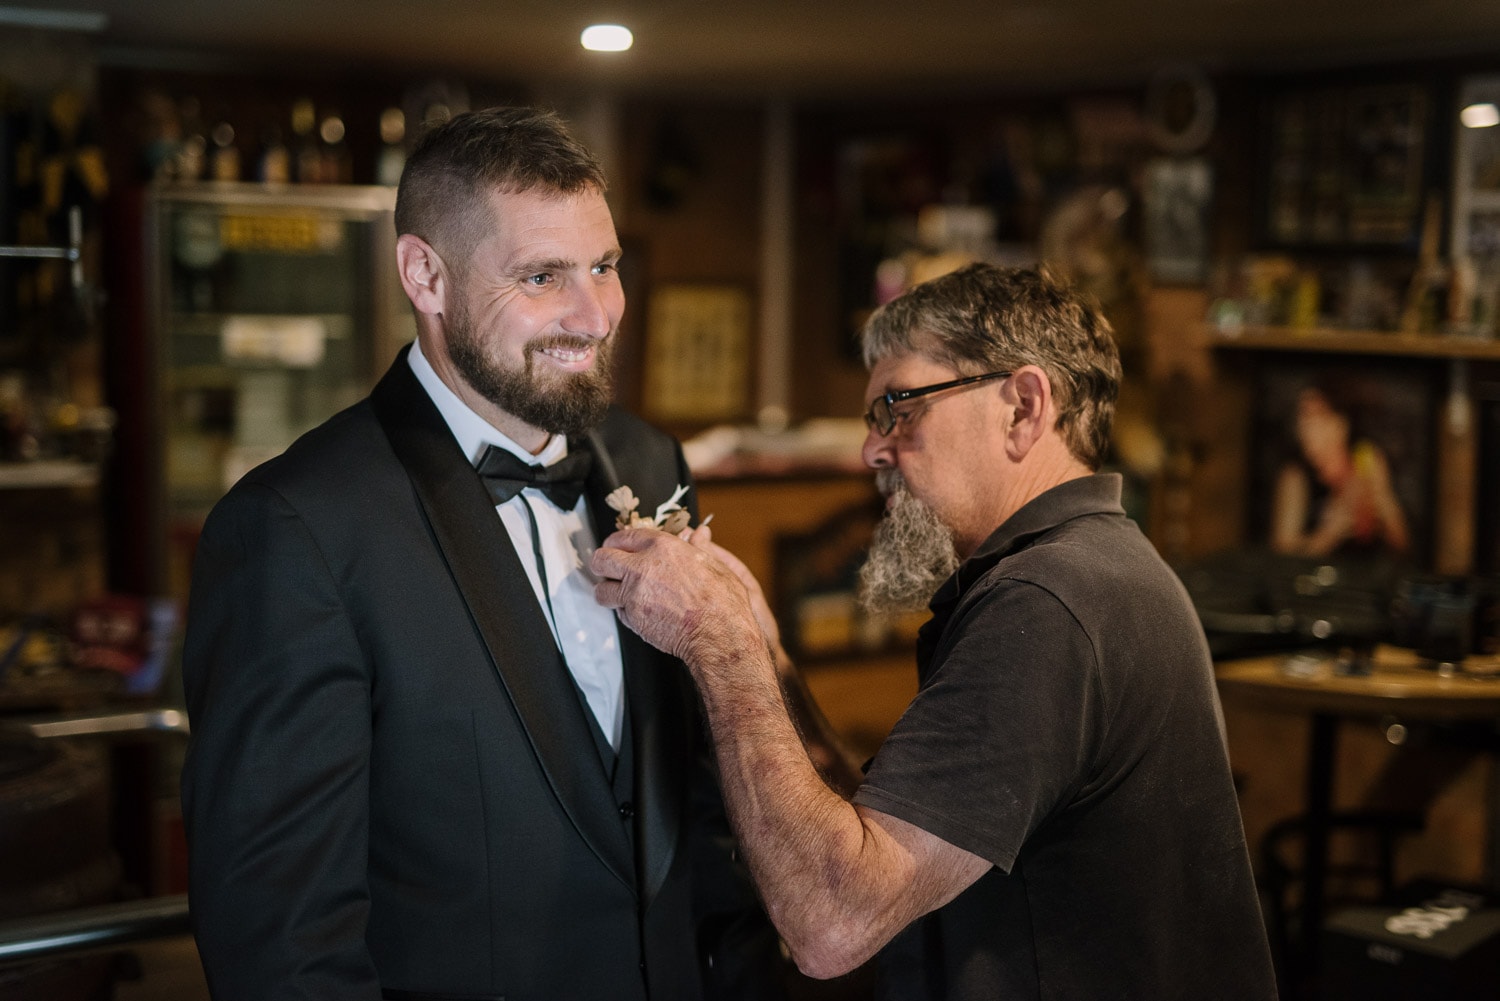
x=911 y=554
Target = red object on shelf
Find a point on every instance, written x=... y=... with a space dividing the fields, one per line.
x=126 y=634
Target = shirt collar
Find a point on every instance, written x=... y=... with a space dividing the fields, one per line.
x=474 y=433
x=1097 y=493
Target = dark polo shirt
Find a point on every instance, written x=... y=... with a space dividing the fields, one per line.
x=1067 y=729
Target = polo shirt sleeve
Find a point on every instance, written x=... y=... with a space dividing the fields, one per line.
x=1002 y=731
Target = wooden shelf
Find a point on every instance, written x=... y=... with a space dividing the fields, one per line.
x=48 y=473
x=1364 y=342
x=1484 y=200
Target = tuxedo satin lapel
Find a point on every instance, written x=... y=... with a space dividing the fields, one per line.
x=658 y=715
x=493 y=584
x=603 y=478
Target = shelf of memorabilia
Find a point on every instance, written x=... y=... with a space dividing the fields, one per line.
x=1331 y=340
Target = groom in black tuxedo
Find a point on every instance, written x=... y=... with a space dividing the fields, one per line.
x=425 y=762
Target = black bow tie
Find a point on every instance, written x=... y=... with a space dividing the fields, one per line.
x=506 y=475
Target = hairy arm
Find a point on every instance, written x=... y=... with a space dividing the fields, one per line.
x=832 y=757
x=838 y=880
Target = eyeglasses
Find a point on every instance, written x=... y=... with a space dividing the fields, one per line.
x=882 y=414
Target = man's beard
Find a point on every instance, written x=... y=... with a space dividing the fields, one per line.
x=562 y=403
x=911 y=554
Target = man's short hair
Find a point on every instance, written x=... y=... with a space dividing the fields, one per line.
x=984 y=318
x=455 y=166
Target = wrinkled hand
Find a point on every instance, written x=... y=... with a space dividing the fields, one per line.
x=680 y=596
x=702 y=537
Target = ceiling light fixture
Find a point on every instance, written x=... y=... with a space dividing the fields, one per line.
x=607 y=38
x=1480 y=116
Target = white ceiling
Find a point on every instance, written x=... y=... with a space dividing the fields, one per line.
x=803 y=46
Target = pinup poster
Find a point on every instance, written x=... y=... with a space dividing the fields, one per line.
x=1342 y=461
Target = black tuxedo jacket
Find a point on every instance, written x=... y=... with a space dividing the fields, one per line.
x=392 y=788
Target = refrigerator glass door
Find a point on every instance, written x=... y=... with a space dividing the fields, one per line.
x=277 y=308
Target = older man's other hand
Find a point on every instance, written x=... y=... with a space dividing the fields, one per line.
x=678 y=596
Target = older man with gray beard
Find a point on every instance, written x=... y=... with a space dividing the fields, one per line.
x=1053 y=815
x=911 y=554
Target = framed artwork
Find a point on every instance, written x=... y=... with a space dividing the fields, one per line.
x=697 y=366
x=1386 y=154
x=1342 y=461
x=1346 y=166
x=1176 y=200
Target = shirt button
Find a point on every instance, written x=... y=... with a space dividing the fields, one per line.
x=627 y=810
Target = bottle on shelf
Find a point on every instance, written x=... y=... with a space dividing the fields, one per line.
x=392 y=158
x=19 y=440
x=338 y=166
x=274 y=162
x=307 y=163
x=224 y=160
x=192 y=152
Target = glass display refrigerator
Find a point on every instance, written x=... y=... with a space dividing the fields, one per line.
x=272 y=308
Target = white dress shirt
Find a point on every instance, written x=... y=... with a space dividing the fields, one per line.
x=585 y=632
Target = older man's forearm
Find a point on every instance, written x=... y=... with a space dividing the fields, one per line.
x=813 y=857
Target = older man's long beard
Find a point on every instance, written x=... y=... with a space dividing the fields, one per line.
x=568 y=404
x=911 y=554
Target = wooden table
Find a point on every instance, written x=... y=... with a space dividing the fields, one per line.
x=1398 y=686
x=1398 y=689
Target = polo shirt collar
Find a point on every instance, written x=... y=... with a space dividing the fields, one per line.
x=1097 y=493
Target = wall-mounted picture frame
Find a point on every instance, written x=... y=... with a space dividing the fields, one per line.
x=698 y=351
x=1346 y=166
x=1176 y=197
x=1342 y=461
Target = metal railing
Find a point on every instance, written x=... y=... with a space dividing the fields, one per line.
x=90 y=929
x=105 y=926
x=72 y=253
x=144 y=721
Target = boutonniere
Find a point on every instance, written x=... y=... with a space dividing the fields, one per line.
x=670 y=516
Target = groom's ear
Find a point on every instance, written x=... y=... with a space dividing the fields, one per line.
x=423 y=276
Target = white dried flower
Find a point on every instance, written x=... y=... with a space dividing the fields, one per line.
x=669 y=505
x=670 y=516
x=622 y=499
